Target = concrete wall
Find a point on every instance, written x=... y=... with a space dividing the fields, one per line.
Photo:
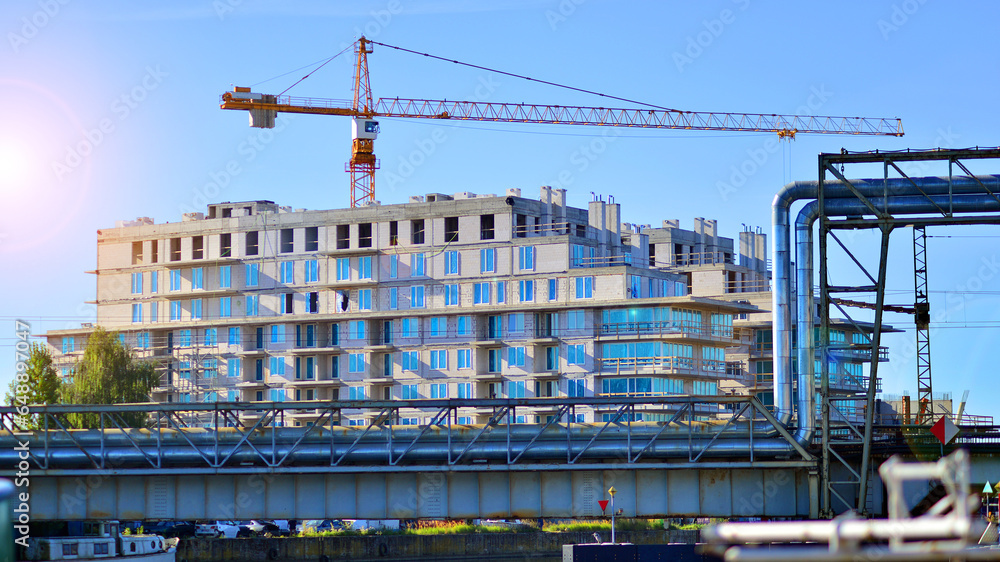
x=406 y=547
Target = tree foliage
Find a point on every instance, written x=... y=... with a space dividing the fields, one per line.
x=37 y=384
x=109 y=373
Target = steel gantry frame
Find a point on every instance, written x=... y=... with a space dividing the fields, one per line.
x=248 y=437
x=878 y=212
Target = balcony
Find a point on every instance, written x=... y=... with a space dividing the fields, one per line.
x=666 y=365
x=659 y=329
x=763 y=381
x=839 y=382
x=489 y=336
x=548 y=229
x=849 y=383
x=298 y=383
x=858 y=352
x=380 y=340
x=760 y=350
x=544 y=335
x=306 y=350
x=251 y=384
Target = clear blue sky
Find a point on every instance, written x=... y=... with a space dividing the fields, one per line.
x=150 y=75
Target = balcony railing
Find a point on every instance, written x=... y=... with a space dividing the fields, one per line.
x=892 y=418
x=838 y=381
x=763 y=380
x=665 y=328
x=490 y=333
x=859 y=352
x=635 y=365
x=761 y=349
x=548 y=229
x=855 y=352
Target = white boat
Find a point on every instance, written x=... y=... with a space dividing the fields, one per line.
x=103 y=541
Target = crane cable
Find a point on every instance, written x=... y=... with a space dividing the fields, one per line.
x=526 y=77
x=317 y=68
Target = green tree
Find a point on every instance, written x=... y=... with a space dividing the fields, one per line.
x=38 y=384
x=109 y=373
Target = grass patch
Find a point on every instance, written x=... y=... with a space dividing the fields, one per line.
x=689 y=526
x=463 y=528
x=623 y=524
x=425 y=528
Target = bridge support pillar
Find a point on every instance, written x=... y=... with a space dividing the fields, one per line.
x=813 y=494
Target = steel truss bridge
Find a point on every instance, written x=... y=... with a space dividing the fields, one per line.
x=233 y=461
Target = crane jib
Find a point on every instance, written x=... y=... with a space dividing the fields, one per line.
x=578 y=115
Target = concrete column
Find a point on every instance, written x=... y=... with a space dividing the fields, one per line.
x=559 y=207
x=614 y=227
x=596 y=217
x=546 y=199
x=699 y=246
x=760 y=243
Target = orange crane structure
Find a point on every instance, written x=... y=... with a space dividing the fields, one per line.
x=365 y=110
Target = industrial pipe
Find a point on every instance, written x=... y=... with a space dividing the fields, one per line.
x=839 y=201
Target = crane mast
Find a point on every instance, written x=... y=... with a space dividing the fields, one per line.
x=364 y=109
x=364 y=131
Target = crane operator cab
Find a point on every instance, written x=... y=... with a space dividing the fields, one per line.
x=362 y=128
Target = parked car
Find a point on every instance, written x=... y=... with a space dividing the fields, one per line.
x=244 y=529
x=170 y=529
x=267 y=528
x=156 y=527
x=220 y=529
x=228 y=529
x=372 y=524
x=319 y=526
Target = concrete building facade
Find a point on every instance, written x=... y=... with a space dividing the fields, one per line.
x=717 y=269
x=447 y=296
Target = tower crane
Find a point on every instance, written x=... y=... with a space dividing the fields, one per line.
x=364 y=110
